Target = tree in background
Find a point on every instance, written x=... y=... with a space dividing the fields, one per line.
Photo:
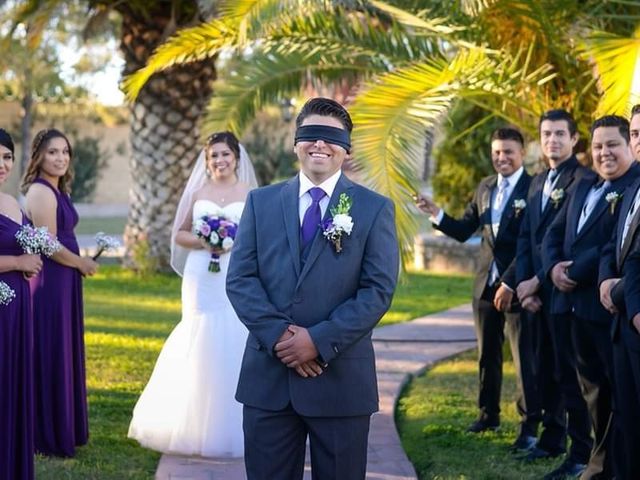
x=511 y=58
x=165 y=119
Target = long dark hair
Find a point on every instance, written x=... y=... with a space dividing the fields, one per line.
x=38 y=148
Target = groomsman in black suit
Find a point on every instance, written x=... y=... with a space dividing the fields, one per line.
x=559 y=392
x=496 y=210
x=620 y=294
x=571 y=253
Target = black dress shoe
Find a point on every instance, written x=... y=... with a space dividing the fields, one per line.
x=524 y=444
x=537 y=453
x=483 y=426
x=567 y=469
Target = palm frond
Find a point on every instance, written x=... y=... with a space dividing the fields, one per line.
x=391 y=116
x=352 y=33
x=419 y=22
x=187 y=45
x=268 y=77
x=617 y=61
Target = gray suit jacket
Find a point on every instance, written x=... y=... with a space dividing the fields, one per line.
x=338 y=297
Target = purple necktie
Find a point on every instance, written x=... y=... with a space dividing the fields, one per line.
x=312 y=217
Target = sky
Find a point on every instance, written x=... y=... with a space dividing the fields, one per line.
x=104 y=84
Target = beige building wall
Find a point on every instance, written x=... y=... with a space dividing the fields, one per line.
x=113 y=186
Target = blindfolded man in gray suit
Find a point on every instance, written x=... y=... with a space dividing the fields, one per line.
x=312 y=271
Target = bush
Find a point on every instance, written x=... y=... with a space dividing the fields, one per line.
x=88 y=162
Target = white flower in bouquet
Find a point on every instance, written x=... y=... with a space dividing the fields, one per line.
x=105 y=242
x=227 y=243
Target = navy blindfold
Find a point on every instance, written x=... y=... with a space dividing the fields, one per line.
x=333 y=135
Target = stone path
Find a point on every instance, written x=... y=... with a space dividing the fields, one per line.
x=402 y=351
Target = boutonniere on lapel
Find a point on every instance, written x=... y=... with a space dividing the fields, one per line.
x=339 y=223
x=612 y=198
x=519 y=205
x=556 y=196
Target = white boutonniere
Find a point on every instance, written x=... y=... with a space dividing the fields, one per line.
x=340 y=222
x=557 y=195
x=519 y=205
x=613 y=198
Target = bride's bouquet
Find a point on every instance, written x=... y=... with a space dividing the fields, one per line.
x=219 y=233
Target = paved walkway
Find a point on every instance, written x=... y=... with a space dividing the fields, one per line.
x=402 y=351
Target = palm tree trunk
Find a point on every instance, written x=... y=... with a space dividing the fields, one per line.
x=165 y=135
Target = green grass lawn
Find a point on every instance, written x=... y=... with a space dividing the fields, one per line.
x=108 y=225
x=433 y=413
x=127 y=320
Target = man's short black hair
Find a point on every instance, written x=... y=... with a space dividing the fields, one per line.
x=325 y=107
x=559 y=114
x=508 y=133
x=612 y=121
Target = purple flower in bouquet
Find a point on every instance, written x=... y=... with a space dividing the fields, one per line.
x=219 y=233
x=6 y=294
x=37 y=241
x=105 y=243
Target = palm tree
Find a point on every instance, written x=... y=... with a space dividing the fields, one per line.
x=165 y=118
x=512 y=58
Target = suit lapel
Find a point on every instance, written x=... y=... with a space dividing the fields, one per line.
x=574 y=213
x=319 y=243
x=563 y=183
x=289 y=198
x=623 y=249
x=485 y=207
x=536 y=200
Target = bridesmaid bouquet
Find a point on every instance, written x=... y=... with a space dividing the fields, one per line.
x=6 y=294
x=37 y=241
x=105 y=243
x=219 y=233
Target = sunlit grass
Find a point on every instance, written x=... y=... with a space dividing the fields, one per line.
x=127 y=320
x=433 y=413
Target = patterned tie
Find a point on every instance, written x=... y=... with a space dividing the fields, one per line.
x=548 y=187
x=312 y=217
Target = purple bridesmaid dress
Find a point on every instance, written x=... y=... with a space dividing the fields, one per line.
x=16 y=367
x=61 y=421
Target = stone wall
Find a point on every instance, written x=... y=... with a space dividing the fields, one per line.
x=439 y=253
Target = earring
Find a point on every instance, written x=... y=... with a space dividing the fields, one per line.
x=207 y=172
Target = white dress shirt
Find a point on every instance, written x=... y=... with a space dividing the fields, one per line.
x=329 y=185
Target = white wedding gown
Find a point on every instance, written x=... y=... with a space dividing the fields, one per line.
x=188 y=406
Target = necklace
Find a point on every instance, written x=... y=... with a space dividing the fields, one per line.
x=224 y=192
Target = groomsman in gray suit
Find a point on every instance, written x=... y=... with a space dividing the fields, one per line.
x=313 y=270
x=496 y=211
x=620 y=294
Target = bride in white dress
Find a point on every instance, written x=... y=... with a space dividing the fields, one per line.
x=188 y=406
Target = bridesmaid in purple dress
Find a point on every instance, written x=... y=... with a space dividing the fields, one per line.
x=16 y=336
x=61 y=422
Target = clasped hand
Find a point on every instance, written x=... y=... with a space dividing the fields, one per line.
x=296 y=349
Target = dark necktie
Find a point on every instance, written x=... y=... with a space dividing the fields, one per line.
x=312 y=217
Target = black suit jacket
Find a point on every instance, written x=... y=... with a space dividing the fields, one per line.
x=536 y=222
x=585 y=248
x=502 y=247
x=624 y=263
